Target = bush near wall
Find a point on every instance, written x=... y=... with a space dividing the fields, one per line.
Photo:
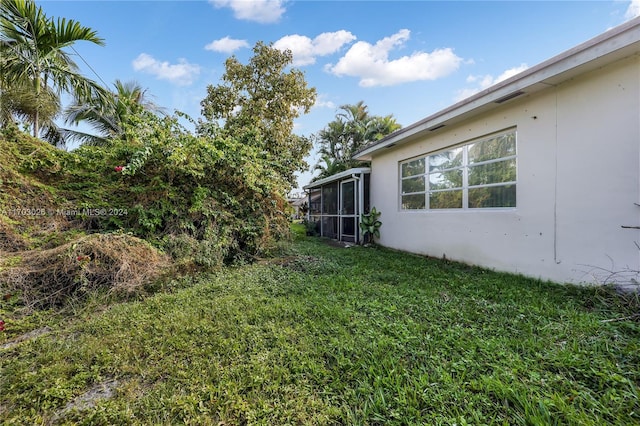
x=204 y=199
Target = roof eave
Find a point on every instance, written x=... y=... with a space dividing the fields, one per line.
x=337 y=176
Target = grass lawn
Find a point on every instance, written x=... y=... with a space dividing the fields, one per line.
x=327 y=335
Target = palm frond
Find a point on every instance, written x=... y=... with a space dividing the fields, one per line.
x=71 y=135
x=32 y=55
x=70 y=31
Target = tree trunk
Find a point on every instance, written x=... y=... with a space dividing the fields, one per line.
x=36 y=117
x=36 y=129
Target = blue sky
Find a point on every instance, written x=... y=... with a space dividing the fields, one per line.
x=406 y=58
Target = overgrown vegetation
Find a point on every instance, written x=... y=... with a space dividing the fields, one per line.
x=317 y=336
x=204 y=200
x=111 y=262
x=326 y=335
x=258 y=103
x=202 y=197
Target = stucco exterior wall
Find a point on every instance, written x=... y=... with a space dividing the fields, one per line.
x=578 y=179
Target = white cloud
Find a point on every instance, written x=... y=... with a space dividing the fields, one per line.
x=305 y=50
x=633 y=11
x=486 y=81
x=327 y=43
x=321 y=102
x=465 y=93
x=511 y=72
x=325 y=104
x=183 y=73
x=263 y=11
x=226 y=45
x=372 y=65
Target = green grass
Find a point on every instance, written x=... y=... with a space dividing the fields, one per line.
x=329 y=335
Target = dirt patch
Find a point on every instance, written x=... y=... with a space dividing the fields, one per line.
x=88 y=400
x=104 y=390
x=298 y=263
x=27 y=336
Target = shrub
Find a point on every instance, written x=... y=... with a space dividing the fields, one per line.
x=207 y=198
x=191 y=254
x=370 y=225
x=207 y=187
x=312 y=228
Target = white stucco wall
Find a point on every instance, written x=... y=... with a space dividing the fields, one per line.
x=578 y=179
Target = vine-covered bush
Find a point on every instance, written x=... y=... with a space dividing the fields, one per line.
x=209 y=195
x=205 y=197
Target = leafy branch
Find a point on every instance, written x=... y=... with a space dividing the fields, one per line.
x=370 y=225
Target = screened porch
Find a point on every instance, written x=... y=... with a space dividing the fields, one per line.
x=336 y=203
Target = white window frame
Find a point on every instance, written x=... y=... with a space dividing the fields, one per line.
x=465 y=166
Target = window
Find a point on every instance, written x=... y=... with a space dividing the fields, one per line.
x=330 y=198
x=479 y=174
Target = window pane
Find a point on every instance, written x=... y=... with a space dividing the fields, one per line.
x=501 y=171
x=348 y=226
x=413 y=168
x=446 y=180
x=348 y=197
x=314 y=201
x=316 y=224
x=415 y=184
x=445 y=200
x=330 y=227
x=330 y=199
x=490 y=149
x=493 y=196
x=446 y=160
x=413 y=202
x=482 y=174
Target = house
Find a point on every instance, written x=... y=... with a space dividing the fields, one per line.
x=537 y=175
x=298 y=205
x=336 y=203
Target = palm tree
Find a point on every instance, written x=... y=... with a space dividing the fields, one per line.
x=33 y=56
x=332 y=139
x=329 y=166
x=352 y=129
x=355 y=114
x=108 y=114
x=379 y=127
x=18 y=101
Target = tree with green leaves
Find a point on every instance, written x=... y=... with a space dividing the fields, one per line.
x=258 y=103
x=35 y=66
x=18 y=102
x=352 y=129
x=106 y=114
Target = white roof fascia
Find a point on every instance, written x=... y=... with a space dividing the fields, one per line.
x=615 y=44
x=337 y=176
